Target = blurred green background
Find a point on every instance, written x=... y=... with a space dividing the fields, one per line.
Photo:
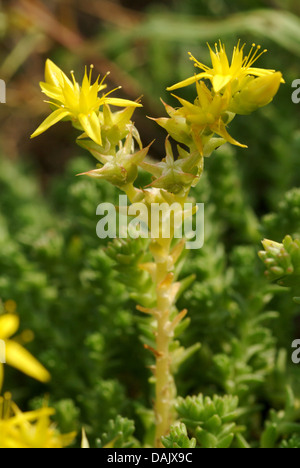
x=51 y=262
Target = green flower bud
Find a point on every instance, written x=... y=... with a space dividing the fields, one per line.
x=282 y=260
x=258 y=92
x=174 y=176
x=120 y=169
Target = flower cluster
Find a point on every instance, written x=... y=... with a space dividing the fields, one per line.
x=223 y=90
x=236 y=88
x=32 y=429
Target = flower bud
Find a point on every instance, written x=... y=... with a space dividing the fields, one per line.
x=120 y=169
x=257 y=93
x=174 y=176
x=281 y=260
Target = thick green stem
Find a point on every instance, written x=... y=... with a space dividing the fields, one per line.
x=165 y=389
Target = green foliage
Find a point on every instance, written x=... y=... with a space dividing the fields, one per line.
x=286 y=219
x=119 y=434
x=211 y=421
x=282 y=423
x=53 y=266
x=229 y=311
x=127 y=255
x=178 y=438
x=283 y=263
x=292 y=442
x=86 y=326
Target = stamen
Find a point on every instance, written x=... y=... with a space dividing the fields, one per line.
x=198 y=64
x=249 y=60
x=105 y=76
x=59 y=106
x=91 y=72
x=109 y=92
x=73 y=77
x=220 y=48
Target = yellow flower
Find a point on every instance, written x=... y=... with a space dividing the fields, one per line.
x=15 y=354
x=207 y=115
x=33 y=429
x=77 y=103
x=222 y=72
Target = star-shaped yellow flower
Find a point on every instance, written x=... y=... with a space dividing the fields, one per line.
x=222 y=72
x=15 y=354
x=77 y=103
x=207 y=114
x=33 y=429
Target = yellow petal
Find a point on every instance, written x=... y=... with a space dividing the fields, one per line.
x=54 y=75
x=220 y=81
x=21 y=359
x=9 y=324
x=53 y=118
x=188 y=105
x=220 y=129
x=204 y=94
x=91 y=126
x=188 y=81
x=30 y=416
x=122 y=102
x=51 y=91
x=260 y=71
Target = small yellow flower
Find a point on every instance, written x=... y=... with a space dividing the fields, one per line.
x=15 y=354
x=33 y=429
x=207 y=115
x=222 y=72
x=77 y=103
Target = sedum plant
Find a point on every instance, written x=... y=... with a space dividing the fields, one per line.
x=283 y=263
x=210 y=421
x=150 y=267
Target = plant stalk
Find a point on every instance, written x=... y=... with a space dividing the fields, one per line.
x=165 y=390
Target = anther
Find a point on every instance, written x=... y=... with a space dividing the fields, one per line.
x=91 y=71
